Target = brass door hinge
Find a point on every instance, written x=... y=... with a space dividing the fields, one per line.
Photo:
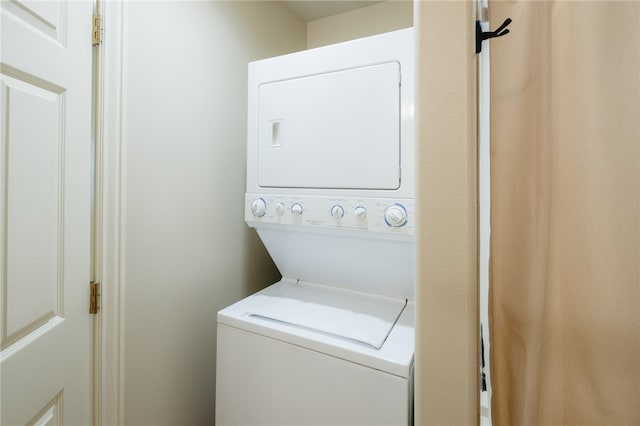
x=94 y=298
x=96 y=31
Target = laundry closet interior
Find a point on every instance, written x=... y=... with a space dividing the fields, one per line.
x=187 y=251
x=178 y=249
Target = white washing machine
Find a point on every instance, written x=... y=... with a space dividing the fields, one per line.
x=330 y=191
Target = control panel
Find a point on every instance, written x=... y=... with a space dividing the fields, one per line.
x=384 y=215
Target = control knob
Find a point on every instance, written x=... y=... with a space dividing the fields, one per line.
x=395 y=215
x=337 y=211
x=360 y=212
x=296 y=209
x=259 y=207
x=280 y=209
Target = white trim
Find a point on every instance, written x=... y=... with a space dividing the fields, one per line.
x=96 y=214
x=484 y=210
x=113 y=66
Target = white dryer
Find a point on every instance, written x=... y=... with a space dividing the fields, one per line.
x=330 y=191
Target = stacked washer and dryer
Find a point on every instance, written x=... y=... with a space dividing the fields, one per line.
x=330 y=191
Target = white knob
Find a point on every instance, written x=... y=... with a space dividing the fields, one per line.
x=280 y=209
x=259 y=207
x=395 y=216
x=296 y=208
x=337 y=212
x=360 y=212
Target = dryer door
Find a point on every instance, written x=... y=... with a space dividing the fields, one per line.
x=336 y=130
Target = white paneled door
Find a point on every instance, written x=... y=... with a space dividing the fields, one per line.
x=45 y=160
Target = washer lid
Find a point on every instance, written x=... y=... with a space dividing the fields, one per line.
x=358 y=317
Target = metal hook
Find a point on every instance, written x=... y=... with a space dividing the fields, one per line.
x=484 y=35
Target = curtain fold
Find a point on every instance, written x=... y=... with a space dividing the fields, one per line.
x=565 y=214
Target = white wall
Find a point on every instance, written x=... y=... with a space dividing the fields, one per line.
x=375 y=19
x=187 y=250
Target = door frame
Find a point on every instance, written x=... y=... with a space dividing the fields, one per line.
x=109 y=358
x=110 y=92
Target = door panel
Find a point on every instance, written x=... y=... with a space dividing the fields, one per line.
x=34 y=198
x=45 y=106
x=51 y=415
x=46 y=17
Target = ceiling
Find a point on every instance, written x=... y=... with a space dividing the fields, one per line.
x=310 y=10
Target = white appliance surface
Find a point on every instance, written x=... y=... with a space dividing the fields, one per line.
x=314 y=130
x=361 y=318
x=394 y=357
x=349 y=260
x=318 y=212
x=334 y=120
x=330 y=191
x=269 y=382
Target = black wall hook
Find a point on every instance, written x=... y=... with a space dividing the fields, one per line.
x=484 y=35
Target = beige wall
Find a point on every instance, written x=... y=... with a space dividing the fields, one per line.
x=187 y=250
x=366 y=21
x=447 y=371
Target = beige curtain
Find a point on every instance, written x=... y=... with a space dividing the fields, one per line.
x=565 y=243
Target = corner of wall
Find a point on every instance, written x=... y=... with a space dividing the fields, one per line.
x=375 y=19
x=446 y=382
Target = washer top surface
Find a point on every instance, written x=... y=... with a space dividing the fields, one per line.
x=357 y=317
x=373 y=331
